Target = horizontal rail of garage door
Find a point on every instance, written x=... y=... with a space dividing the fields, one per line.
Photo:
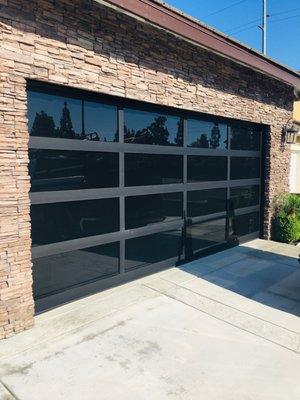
x=89 y=194
x=80 y=243
x=88 y=145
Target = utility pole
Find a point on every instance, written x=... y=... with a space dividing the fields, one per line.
x=263 y=27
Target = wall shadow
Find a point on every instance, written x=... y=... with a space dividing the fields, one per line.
x=261 y=275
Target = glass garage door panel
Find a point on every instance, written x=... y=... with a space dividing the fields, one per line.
x=205 y=234
x=245 y=137
x=100 y=122
x=56 y=116
x=206 y=168
x=146 y=127
x=245 y=168
x=150 y=249
x=244 y=196
x=206 y=134
x=152 y=209
x=204 y=202
x=241 y=225
x=152 y=169
x=52 y=170
x=62 y=271
x=56 y=222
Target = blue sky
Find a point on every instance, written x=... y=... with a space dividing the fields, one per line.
x=241 y=21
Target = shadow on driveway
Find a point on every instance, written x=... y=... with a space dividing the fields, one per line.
x=266 y=272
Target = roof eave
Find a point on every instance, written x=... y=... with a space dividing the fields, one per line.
x=186 y=27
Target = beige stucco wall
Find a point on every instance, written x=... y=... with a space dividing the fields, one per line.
x=297 y=110
x=295 y=156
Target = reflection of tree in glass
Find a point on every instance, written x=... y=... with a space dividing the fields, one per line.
x=43 y=125
x=254 y=138
x=66 y=125
x=156 y=133
x=202 y=142
x=244 y=137
x=179 y=136
x=116 y=135
x=233 y=238
x=215 y=136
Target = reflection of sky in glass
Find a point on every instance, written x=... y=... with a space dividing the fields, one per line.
x=137 y=120
x=100 y=118
x=52 y=106
x=197 y=128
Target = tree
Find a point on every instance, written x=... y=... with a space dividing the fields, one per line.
x=43 y=125
x=215 y=136
x=156 y=133
x=201 y=142
x=66 y=126
x=240 y=138
x=179 y=137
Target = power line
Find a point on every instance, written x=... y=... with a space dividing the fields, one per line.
x=242 y=26
x=284 y=19
x=234 y=32
x=286 y=12
x=245 y=29
x=225 y=8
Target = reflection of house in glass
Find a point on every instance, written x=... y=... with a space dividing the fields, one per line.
x=93 y=136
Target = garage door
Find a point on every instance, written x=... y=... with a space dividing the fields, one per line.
x=121 y=188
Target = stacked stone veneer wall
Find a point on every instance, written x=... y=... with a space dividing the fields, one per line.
x=87 y=45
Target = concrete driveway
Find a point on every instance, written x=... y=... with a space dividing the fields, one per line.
x=225 y=327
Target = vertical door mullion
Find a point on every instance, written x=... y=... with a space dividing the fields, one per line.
x=184 y=183
x=262 y=180
x=121 y=184
x=228 y=181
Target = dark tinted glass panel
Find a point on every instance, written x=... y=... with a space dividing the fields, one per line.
x=62 y=271
x=244 y=168
x=152 y=128
x=204 y=234
x=244 y=224
x=54 y=116
x=206 y=168
x=244 y=196
x=205 y=134
x=100 y=122
x=203 y=202
x=152 y=169
x=151 y=209
x=64 y=170
x=56 y=222
x=150 y=249
x=245 y=137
